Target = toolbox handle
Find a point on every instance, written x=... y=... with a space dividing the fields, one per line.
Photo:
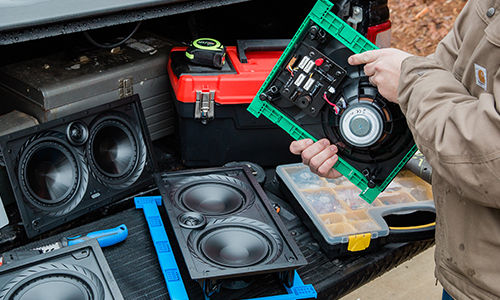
x=243 y=46
x=415 y=226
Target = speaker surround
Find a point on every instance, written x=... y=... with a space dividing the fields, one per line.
x=64 y=168
x=79 y=273
x=233 y=230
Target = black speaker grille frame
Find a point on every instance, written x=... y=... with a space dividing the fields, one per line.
x=93 y=189
x=257 y=219
x=82 y=264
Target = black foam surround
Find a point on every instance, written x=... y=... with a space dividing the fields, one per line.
x=64 y=168
x=76 y=273
x=225 y=225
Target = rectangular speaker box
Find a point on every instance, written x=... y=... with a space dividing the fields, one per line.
x=76 y=272
x=64 y=168
x=226 y=226
x=214 y=126
x=60 y=84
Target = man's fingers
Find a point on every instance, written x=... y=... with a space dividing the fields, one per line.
x=364 y=58
x=296 y=147
x=327 y=170
x=322 y=157
x=358 y=59
x=314 y=150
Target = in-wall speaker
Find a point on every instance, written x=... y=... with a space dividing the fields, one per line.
x=226 y=226
x=79 y=272
x=62 y=169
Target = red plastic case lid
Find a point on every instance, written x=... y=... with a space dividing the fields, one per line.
x=238 y=87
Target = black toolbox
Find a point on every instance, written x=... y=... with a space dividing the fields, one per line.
x=214 y=126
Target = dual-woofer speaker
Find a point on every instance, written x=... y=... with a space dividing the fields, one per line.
x=64 y=168
x=79 y=272
x=225 y=225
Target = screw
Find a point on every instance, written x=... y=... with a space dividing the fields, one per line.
x=356 y=11
x=312 y=109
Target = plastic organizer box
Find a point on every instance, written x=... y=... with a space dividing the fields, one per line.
x=342 y=222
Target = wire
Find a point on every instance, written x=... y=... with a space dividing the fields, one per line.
x=93 y=42
x=332 y=104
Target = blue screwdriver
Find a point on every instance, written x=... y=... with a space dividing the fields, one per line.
x=105 y=238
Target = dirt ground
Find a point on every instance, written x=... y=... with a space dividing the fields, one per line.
x=418 y=25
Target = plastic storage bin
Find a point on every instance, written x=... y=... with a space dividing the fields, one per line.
x=344 y=223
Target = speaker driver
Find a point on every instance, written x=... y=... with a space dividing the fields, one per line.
x=236 y=242
x=54 y=281
x=361 y=125
x=212 y=195
x=116 y=150
x=52 y=173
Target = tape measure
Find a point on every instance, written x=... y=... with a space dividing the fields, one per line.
x=207 y=52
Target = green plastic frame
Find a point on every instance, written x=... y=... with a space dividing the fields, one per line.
x=322 y=15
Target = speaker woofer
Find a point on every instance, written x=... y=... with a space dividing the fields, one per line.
x=116 y=150
x=236 y=242
x=52 y=173
x=212 y=195
x=54 y=281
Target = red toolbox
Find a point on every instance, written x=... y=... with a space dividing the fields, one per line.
x=214 y=125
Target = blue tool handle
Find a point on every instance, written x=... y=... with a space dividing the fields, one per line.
x=105 y=237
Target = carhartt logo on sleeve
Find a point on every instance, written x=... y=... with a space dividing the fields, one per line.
x=480 y=76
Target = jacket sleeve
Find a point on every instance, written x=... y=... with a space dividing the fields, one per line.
x=459 y=134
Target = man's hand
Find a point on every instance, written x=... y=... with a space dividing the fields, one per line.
x=319 y=156
x=383 y=67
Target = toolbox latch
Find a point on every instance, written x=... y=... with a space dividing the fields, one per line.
x=125 y=88
x=204 y=107
x=359 y=242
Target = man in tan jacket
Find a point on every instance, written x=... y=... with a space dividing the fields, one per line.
x=451 y=101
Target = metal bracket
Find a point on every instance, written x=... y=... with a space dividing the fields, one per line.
x=125 y=87
x=357 y=16
x=175 y=285
x=204 y=106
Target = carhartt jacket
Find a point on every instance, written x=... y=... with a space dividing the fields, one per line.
x=452 y=104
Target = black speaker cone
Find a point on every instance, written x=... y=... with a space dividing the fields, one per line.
x=235 y=247
x=113 y=150
x=236 y=242
x=52 y=173
x=212 y=195
x=212 y=198
x=116 y=150
x=54 y=288
x=54 y=281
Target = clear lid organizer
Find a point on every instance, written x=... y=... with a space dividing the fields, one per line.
x=339 y=218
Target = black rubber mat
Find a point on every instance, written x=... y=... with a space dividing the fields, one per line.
x=136 y=269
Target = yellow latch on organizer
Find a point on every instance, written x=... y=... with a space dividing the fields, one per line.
x=359 y=242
